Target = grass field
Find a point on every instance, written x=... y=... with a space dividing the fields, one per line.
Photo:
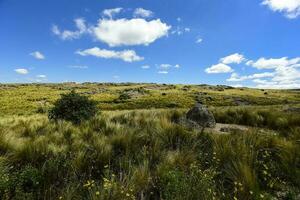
x=131 y=152
x=25 y=99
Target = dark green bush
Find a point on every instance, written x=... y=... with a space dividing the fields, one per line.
x=73 y=107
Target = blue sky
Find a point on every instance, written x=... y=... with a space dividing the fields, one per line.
x=252 y=43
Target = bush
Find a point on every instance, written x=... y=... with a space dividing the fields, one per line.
x=73 y=107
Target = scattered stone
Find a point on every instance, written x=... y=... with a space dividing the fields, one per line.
x=209 y=98
x=240 y=102
x=292 y=110
x=88 y=92
x=200 y=115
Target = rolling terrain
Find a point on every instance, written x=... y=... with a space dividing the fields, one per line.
x=136 y=147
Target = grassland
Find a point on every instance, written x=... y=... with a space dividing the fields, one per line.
x=26 y=99
x=130 y=152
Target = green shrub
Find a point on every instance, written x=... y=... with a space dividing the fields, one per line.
x=73 y=107
x=30 y=179
x=191 y=185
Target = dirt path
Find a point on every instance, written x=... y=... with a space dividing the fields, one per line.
x=227 y=128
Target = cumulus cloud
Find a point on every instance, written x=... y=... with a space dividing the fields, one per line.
x=70 y=35
x=235 y=77
x=180 y=30
x=234 y=58
x=199 y=40
x=78 y=66
x=129 y=31
x=278 y=85
x=237 y=85
x=38 y=55
x=141 y=12
x=125 y=55
x=111 y=12
x=280 y=73
x=290 y=8
x=219 y=68
x=165 y=66
x=21 y=71
x=41 y=76
x=284 y=74
x=119 y=32
x=163 y=72
x=145 y=67
x=273 y=63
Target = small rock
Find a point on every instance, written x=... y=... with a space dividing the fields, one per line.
x=201 y=115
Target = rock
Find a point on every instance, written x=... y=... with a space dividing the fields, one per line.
x=201 y=116
x=292 y=110
x=240 y=102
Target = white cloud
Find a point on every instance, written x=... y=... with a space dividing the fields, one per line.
x=285 y=73
x=145 y=67
x=278 y=85
x=168 y=66
x=55 y=30
x=179 y=30
x=273 y=63
x=199 y=40
x=234 y=58
x=163 y=72
x=218 y=68
x=21 y=71
x=125 y=55
x=41 y=76
x=117 y=32
x=235 y=77
x=111 y=12
x=141 y=12
x=290 y=8
x=165 y=66
x=129 y=31
x=187 y=29
x=70 y=35
x=261 y=75
x=237 y=85
x=178 y=19
x=38 y=55
x=260 y=81
x=79 y=66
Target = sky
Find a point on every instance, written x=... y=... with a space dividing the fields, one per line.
x=251 y=43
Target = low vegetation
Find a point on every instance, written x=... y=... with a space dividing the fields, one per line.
x=25 y=99
x=148 y=154
x=143 y=155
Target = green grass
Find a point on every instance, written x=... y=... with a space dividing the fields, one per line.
x=145 y=154
x=128 y=152
x=24 y=99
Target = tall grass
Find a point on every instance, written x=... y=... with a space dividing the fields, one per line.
x=146 y=155
x=271 y=118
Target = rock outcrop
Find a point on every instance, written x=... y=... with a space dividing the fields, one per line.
x=200 y=115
